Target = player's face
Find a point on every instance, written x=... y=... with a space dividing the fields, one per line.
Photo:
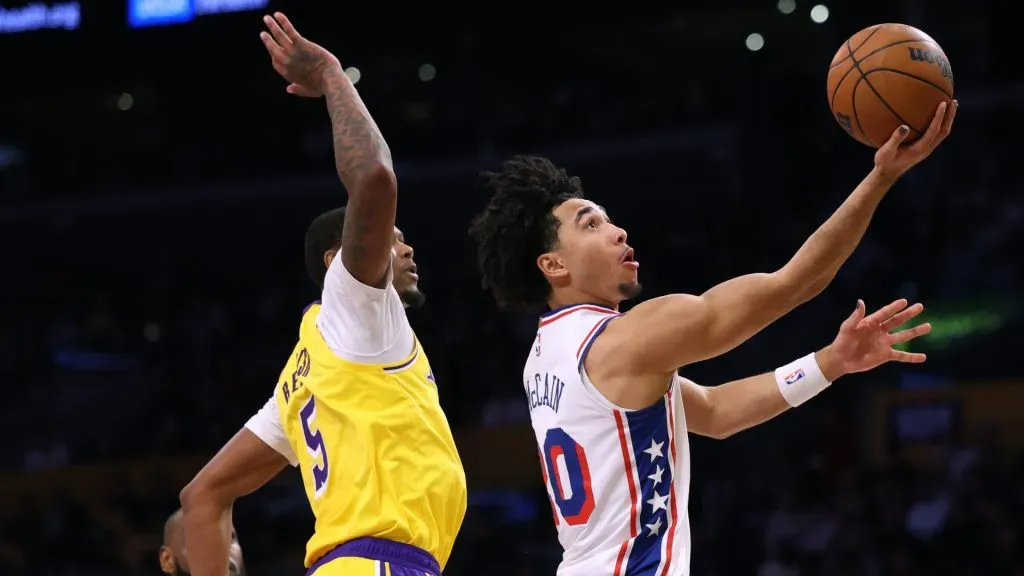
x=406 y=278
x=592 y=255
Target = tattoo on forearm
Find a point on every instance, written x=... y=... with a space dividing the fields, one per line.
x=358 y=147
x=358 y=144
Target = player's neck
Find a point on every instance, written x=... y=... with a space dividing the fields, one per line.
x=565 y=297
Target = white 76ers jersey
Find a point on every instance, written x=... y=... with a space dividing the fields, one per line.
x=618 y=479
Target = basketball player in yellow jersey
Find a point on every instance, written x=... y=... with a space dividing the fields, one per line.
x=356 y=407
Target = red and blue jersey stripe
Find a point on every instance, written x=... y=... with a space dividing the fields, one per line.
x=647 y=443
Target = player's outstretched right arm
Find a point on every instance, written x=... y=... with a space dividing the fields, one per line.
x=663 y=334
x=362 y=157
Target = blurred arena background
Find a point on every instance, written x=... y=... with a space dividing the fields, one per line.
x=156 y=182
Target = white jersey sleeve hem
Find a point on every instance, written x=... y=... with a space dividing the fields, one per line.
x=266 y=425
x=361 y=323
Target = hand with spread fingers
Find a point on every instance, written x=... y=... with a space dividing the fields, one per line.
x=866 y=342
x=302 y=63
x=894 y=158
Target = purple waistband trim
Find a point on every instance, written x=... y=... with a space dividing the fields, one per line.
x=384 y=551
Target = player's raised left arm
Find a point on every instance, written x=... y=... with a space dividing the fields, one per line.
x=863 y=343
x=361 y=155
x=663 y=334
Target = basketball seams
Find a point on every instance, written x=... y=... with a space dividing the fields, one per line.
x=832 y=100
x=909 y=75
x=850 y=50
x=856 y=117
x=864 y=77
x=884 y=103
x=899 y=43
x=853 y=93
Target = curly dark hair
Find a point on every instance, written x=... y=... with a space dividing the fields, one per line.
x=323 y=234
x=517 y=226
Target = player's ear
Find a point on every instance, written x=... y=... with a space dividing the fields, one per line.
x=166 y=560
x=329 y=257
x=551 y=266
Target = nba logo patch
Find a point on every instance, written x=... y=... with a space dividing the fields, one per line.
x=795 y=377
x=536 y=347
x=430 y=376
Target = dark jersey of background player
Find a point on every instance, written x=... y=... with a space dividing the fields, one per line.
x=174 y=554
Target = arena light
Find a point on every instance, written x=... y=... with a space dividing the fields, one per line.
x=787 y=6
x=144 y=13
x=427 y=72
x=755 y=42
x=125 y=102
x=819 y=13
x=40 y=16
x=10 y=156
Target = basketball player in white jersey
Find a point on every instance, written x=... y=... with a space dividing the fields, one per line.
x=609 y=410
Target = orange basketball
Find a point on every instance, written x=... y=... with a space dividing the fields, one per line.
x=884 y=76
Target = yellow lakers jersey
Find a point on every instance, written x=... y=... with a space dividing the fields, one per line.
x=376 y=452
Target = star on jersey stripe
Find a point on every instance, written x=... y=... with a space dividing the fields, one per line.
x=656 y=476
x=658 y=502
x=654 y=527
x=655 y=450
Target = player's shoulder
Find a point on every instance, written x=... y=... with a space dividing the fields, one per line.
x=341 y=288
x=564 y=334
x=359 y=307
x=360 y=323
x=631 y=327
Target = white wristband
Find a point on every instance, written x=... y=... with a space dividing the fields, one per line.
x=800 y=380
